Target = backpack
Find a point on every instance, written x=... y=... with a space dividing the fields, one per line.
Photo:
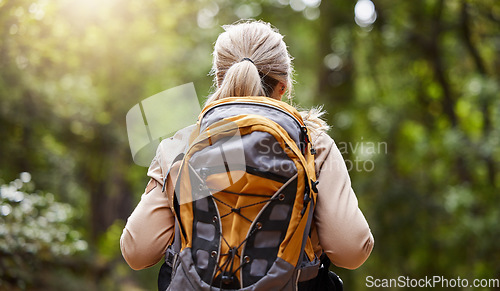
x=244 y=200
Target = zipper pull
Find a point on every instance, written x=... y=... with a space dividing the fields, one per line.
x=305 y=139
x=304 y=132
x=307 y=198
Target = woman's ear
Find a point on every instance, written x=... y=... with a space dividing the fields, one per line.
x=279 y=90
x=282 y=88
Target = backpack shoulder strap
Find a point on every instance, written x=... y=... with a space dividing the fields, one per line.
x=172 y=252
x=176 y=159
x=175 y=202
x=305 y=269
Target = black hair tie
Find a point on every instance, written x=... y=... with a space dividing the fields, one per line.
x=247 y=59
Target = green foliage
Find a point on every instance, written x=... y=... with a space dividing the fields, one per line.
x=35 y=231
x=108 y=242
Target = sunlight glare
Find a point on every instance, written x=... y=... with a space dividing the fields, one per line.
x=364 y=13
x=312 y=3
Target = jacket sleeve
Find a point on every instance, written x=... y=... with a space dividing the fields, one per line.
x=150 y=227
x=342 y=230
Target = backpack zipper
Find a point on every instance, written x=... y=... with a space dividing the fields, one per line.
x=255 y=103
x=303 y=129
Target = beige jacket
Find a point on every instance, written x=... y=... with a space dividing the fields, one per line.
x=339 y=227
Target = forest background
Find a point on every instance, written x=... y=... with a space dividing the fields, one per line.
x=411 y=89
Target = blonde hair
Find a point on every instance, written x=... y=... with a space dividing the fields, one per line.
x=313 y=119
x=250 y=58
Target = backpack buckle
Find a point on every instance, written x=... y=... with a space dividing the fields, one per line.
x=314 y=184
x=307 y=198
x=170 y=256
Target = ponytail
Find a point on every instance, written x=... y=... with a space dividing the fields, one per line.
x=242 y=79
x=250 y=58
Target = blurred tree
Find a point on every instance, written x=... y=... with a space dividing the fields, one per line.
x=36 y=233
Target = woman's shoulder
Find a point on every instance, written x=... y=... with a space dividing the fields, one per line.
x=321 y=137
x=171 y=147
x=167 y=151
x=322 y=144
